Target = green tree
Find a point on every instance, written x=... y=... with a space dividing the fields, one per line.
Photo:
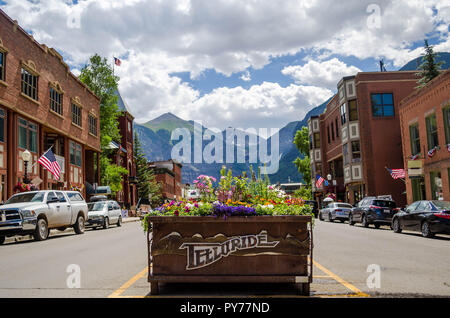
x=98 y=76
x=302 y=163
x=147 y=186
x=429 y=67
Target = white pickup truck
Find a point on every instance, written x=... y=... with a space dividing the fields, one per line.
x=36 y=212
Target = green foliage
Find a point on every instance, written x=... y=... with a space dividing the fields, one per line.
x=429 y=67
x=98 y=76
x=112 y=174
x=147 y=186
x=303 y=165
x=304 y=193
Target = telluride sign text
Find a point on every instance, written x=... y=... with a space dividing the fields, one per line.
x=204 y=254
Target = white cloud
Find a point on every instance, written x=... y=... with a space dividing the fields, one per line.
x=322 y=74
x=160 y=37
x=246 y=77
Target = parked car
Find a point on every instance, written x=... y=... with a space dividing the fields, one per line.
x=335 y=211
x=36 y=212
x=428 y=217
x=315 y=207
x=104 y=213
x=373 y=210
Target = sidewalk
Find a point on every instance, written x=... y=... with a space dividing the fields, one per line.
x=19 y=238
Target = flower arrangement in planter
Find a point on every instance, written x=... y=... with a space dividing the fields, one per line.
x=24 y=187
x=234 y=196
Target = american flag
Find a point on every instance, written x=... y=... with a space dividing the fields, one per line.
x=431 y=152
x=48 y=160
x=319 y=181
x=397 y=173
x=117 y=61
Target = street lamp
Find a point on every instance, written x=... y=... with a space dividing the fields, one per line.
x=26 y=157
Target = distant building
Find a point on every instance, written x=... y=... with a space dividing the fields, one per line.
x=358 y=136
x=168 y=174
x=43 y=105
x=425 y=126
x=124 y=155
x=290 y=188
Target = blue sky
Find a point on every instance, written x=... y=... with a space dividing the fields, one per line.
x=232 y=62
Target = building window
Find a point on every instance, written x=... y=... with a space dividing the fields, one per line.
x=76 y=115
x=345 y=154
x=93 y=125
x=75 y=153
x=415 y=139
x=2 y=125
x=356 y=151
x=316 y=140
x=27 y=135
x=436 y=185
x=341 y=92
x=56 y=101
x=328 y=134
x=310 y=142
x=352 y=110
x=382 y=105
x=343 y=114
x=2 y=65
x=318 y=168
x=447 y=124
x=332 y=131
x=337 y=127
x=29 y=84
x=432 y=133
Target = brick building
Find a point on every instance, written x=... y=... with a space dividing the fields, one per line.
x=43 y=105
x=124 y=155
x=358 y=136
x=168 y=174
x=425 y=127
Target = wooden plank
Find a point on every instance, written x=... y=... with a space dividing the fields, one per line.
x=226 y=279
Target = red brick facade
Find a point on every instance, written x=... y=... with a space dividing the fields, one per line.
x=357 y=142
x=168 y=174
x=431 y=103
x=30 y=123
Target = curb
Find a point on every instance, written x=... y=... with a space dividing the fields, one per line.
x=19 y=238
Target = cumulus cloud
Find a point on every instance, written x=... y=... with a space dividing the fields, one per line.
x=322 y=74
x=159 y=38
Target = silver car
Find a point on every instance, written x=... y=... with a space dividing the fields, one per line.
x=335 y=211
x=104 y=213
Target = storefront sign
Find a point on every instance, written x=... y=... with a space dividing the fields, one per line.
x=204 y=254
x=415 y=168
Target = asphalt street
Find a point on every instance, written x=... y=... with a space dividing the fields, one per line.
x=112 y=263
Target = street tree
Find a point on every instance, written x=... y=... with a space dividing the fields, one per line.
x=429 y=68
x=99 y=77
x=302 y=162
x=147 y=186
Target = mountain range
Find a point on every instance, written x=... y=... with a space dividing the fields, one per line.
x=155 y=137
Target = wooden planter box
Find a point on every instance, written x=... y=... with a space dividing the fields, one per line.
x=258 y=249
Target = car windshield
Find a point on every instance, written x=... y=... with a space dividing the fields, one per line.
x=384 y=204
x=26 y=197
x=96 y=206
x=343 y=205
x=442 y=205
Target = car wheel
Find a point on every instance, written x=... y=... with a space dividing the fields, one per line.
x=396 y=226
x=2 y=239
x=426 y=231
x=350 y=220
x=105 y=223
x=320 y=216
x=79 y=226
x=41 y=233
x=119 y=221
x=364 y=221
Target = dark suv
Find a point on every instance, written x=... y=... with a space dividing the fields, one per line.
x=372 y=210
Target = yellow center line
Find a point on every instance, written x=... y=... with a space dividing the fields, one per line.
x=358 y=292
x=129 y=283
